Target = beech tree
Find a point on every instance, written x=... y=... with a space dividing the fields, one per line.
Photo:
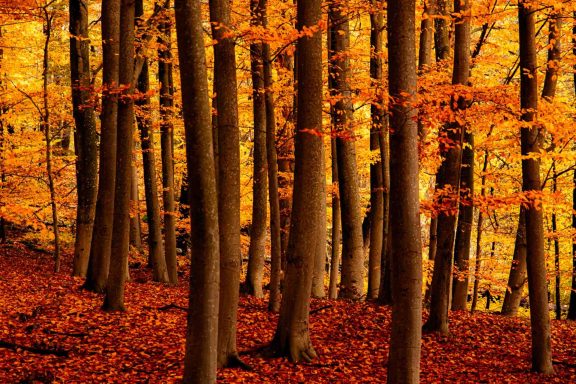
x=202 y=332
x=85 y=134
x=406 y=256
x=292 y=336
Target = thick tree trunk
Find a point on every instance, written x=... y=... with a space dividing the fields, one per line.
x=535 y=258
x=225 y=85
x=442 y=25
x=336 y=225
x=114 y=299
x=167 y=146
x=202 y=332
x=404 y=359
x=102 y=235
x=352 y=283
x=257 y=247
x=292 y=336
x=466 y=208
x=376 y=175
x=85 y=139
x=449 y=177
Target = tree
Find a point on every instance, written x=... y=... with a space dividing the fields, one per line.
x=114 y=299
x=225 y=85
x=155 y=249
x=85 y=134
x=202 y=332
x=167 y=143
x=442 y=25
x=352 y=284
x=376 y=137
x=257 y=248
x=466 y=209
x=530 y=142
x=406 y=257
x=102 y=236
x=292 y=336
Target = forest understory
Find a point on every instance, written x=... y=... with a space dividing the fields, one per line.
x=53 y=331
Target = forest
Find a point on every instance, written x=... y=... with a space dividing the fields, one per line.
x=288 y=191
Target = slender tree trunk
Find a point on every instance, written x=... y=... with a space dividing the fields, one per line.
x=517 y=277
x=554 y=56
x=442 y=25
x=352 y=283
x=318 y=290
x=135 y=221
x=202 y=333
x=48 y=17
x=336 y=225
x=143 y=117
x=557 y=297
x=167 y=145
x=3 y=109
x=225 y=85
x=449 y=176
x=404 y=358
x=385 y=289
x=114 y=299
x=466 y=208
x=292 y=336
x=274 y=201
x=478 y=261
x=257 y=247
x=376 y=174
x=85 y=141
x=535 y=258
x=102 y=236
x=426 y=35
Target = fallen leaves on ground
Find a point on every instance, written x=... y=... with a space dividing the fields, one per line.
x=50 y=312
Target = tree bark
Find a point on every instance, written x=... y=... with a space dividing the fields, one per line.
x=103 y=221
x=336 y=225
x=461 y=75
x=406 y=257
x=257 y=247
x=442 y=25
x=478 y=261
x=352 y=283
x=377 y=110
x=156 y=257
x=202 y=332
x=530 y=142
x=167 y=146
x=114 y=299
x=135 y=221
x=225 y=85
x=517 y=277
x=426 y=35
x=85 y=139
x=572 y=306
x=292 y=336
x=557 y=296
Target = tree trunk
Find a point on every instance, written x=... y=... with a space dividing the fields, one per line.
x=85 y=141
x=318 y=290
x=257 y=247
x=135 y=221
x=385 y=289
x=275 y=234
x=442 y=25
x=102 y=235
x=336 y=225
x=167 y=146
x=404 y=359
x=202 y=332
x=466 y=209
x=426 y=35
x=292 y=336
x=352 y=283
x=449 y=176
x=572 y=307
x=225 y=85
x=48 y=17
x=554 y=56
x=517 y=277
x=535 y=258
x=377 y=110
x=557 y=297
x=114 y=299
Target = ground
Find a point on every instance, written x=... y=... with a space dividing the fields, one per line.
x=42 y=311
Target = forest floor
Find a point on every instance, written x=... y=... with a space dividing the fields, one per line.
x=50 y=313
